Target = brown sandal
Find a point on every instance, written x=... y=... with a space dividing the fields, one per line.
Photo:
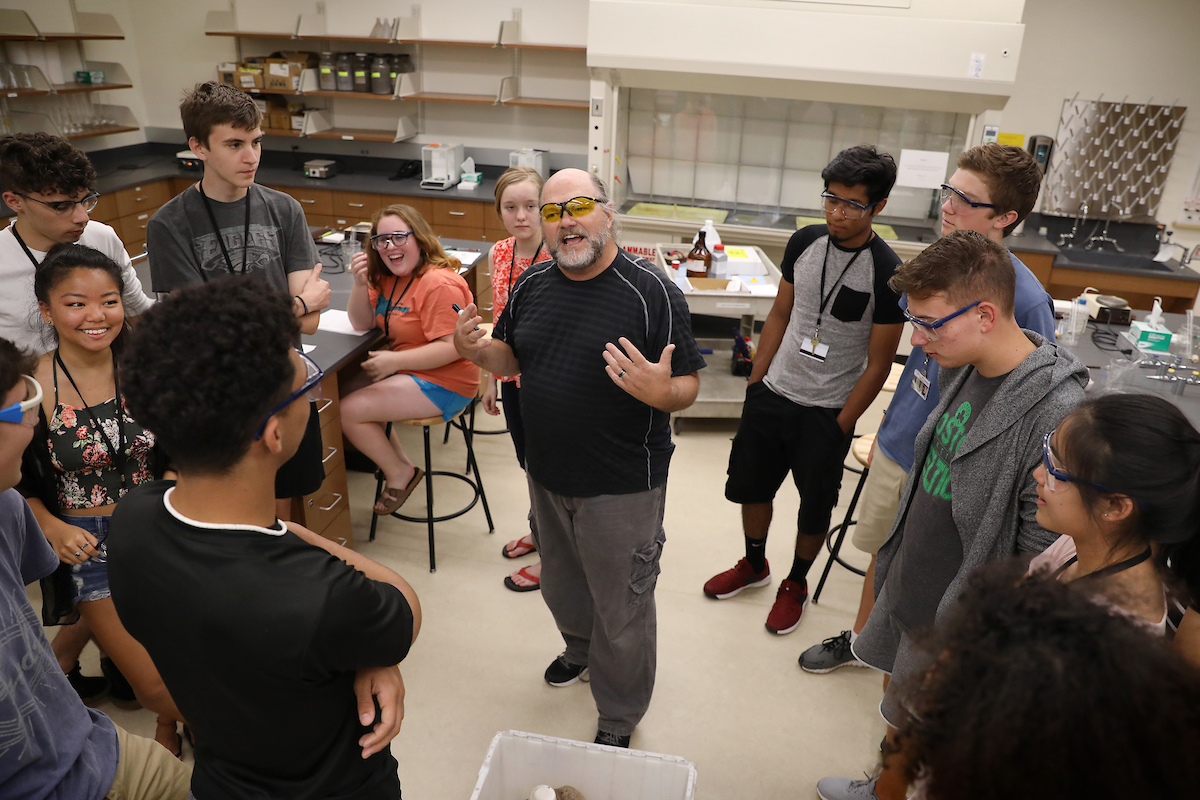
x=392 y=498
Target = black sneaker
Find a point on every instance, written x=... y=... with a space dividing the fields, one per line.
x=88 y=688
x=611 y=739
x=119 y=691
x=563 y=673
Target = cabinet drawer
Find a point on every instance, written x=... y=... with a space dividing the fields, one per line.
x=339 y=530
x=178 y=185
x=148 y=197
x=493 y=226
x=313 y=201
x=322 y=220
x=459 y=232
x=329 y=406
x=132 y=228
x=423 y=205
x=135 y=249
x=106 y=209
x=460 y=213
x=357 y=205
x=323 y=505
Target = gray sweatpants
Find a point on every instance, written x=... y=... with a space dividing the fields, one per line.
x=600 y=563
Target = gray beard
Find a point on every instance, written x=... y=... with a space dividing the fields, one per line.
x=584 y=260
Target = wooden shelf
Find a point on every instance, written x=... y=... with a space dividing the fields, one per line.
x=279 y=132
x=24 y=92
x=102 y=131
x=18 y=37
x=448 y=42
x=357 y=95
x=355 y=134
x=81 y=37
x=568 y=48
x=249 y=35
x=543 y=102
x=322 y=38
x=440 y=97
x=75 y=88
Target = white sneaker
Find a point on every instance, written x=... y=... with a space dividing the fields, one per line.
x=846 y=789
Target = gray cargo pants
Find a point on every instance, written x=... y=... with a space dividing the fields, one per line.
x=600 y=562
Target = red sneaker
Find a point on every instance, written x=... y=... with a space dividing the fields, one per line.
x=732 y=581
x=789 y=605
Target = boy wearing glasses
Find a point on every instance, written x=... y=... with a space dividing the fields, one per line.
x=263 y=631
x=973 y=500
x=51 y=186
x=226 y=224
x=993 y=190
x=825 y=350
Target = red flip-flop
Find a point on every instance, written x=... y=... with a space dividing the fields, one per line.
x=524 y=573
x=521 y=549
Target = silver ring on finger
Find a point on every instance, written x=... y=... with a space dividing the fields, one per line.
x=78 y=553
x=621 y=374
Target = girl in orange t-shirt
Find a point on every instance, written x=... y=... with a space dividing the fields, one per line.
x=517 y=193
x=406 y=285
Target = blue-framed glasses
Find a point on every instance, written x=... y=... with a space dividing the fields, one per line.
x=959 y=201
x=24 y=411
x=1055 y=471
x=312 y=387
x=849 y=208
x=930 y=329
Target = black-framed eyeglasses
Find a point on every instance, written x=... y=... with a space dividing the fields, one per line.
x=849 y=208
x=64 y=207
x=381 y=241
x=576 y=207
x=313 y=376
x=1055 y=471
x=960 y=201
x=930 y=329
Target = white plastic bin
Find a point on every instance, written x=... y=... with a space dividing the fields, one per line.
x=516 y=762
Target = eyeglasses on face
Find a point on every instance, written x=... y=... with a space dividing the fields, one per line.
x=64 y=207
x=930 y=329
x=313 y=376
x=959 y=201
x=576 y=207
x=24 y=411
x=382 y=241
x=849 y=208
x=1056 y=472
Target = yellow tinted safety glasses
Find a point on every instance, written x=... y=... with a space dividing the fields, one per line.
x=576 y=207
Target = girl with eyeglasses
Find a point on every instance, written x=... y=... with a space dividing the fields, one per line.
x=407 y=286
x=87 y=452
x=1120 y=480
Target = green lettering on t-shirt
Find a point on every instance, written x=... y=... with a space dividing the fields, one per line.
x=935 y=475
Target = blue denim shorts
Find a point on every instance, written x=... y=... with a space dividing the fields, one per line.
x=90 y=578
x=447 y=401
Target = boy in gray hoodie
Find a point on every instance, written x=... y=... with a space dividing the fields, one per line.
x=973 y=500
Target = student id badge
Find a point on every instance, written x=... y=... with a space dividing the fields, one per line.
x=920 y=384
x=814 y=349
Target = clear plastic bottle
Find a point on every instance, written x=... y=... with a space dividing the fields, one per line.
x=326 y=73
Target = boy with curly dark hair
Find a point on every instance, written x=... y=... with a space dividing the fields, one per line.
x=51 y=186
x=260 y=629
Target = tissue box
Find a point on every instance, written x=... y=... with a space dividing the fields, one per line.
x=1148 y=337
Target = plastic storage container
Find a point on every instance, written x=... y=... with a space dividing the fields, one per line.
x=345 y=73
x=516 y=762
x=362 y=73
x=326 y=71
x=381 y=75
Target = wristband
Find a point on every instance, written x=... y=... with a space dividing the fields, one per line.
x=304 y=304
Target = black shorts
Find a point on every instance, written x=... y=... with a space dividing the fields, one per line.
x=304 y=472
x=777 y=436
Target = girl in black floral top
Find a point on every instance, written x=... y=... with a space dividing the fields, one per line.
x=86 y=454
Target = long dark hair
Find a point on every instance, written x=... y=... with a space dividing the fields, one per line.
x=63 y=259
x=1143 y=447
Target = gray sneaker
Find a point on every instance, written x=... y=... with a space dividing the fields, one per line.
x=846 y=789
x=829 y=655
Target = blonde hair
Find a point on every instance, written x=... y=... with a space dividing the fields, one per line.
x=432 y=253
x=515 y=175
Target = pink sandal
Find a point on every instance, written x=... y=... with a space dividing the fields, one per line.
x=519 y=547
x=524 y=573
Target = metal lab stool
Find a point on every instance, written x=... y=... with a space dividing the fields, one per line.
x=476 y=485
x=861 y=449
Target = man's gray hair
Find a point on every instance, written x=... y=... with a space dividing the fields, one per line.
x=602 y=196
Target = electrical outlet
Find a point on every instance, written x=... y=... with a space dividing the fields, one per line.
x=1189 y=215
x=597 y=106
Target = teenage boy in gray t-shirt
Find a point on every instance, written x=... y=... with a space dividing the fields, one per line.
x=228 y=224
x=825 y=350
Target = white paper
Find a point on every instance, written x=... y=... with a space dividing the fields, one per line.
x=922 y=169
x=335 y=321
x=308 y=348
x=467 y=257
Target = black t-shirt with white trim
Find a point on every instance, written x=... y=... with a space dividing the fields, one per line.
x=584 y=435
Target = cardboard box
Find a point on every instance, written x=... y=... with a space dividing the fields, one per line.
x=249 y=78
x=227 y=73
x=279 y=120
x=297 y=122
x=281 y=72
x=1149 y=337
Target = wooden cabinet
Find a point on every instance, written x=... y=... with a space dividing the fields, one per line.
x=313 y=201
x=106 y=209
x=148 y=197
x=132 y=230
x=326 y=511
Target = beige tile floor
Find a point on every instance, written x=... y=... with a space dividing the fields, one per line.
x=729 y=696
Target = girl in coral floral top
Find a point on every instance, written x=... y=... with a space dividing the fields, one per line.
x=517 y=193
x=87 y=453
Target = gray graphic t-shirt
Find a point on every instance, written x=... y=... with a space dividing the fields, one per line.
x=184 y=249
x=931 y=552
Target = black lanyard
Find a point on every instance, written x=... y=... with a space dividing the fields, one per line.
x=387 y=312
x=1111 y=569
x=118 y=452
x=512 y=265
x=24 y=246
x=825 y=301
x=221 y=240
